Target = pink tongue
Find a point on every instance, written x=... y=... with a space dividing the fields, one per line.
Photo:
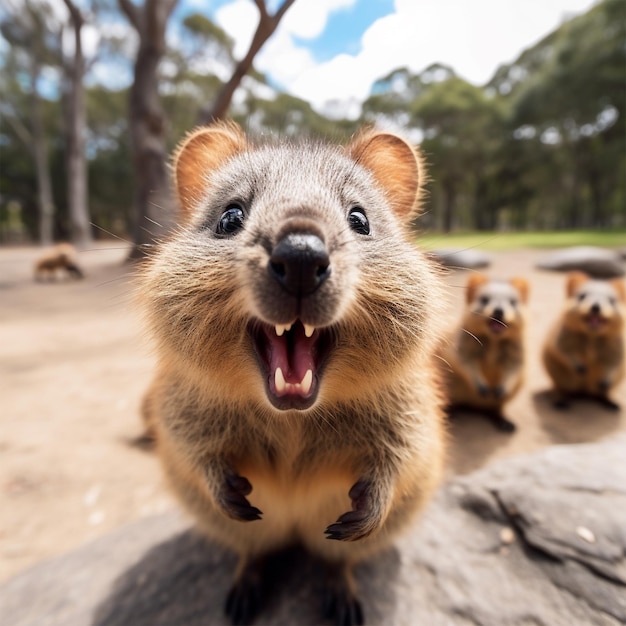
x=496 y=326
x=595 y=321
x=293 y=353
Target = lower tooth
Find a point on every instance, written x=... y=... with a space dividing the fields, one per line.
x=305 y=384
x=279 y=381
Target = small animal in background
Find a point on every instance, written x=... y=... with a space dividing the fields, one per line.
x=584 y=351
x=60 y=257
x=483 y=362
x=296 y=399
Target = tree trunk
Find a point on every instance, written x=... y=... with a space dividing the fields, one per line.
x=266 y=27
x=42 y=164
x=76 y=124
x=448 y=206
x=153 y=203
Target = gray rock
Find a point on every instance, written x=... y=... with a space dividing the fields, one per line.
x=461 y=258
x=597 y=262
x=534 y=540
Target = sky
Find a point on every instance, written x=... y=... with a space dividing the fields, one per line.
x=330 y=52
x=327 y=50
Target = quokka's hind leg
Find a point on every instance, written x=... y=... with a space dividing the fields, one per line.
x=74 y=270
x=245 y=598
x=341 y=604
x=607 y=403
x=500 y=422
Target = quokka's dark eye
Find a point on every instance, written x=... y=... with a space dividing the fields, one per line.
x=358 y=221
x=231 y=220
x=484 y=300
x=581 y=297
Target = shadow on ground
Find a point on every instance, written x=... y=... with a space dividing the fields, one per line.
x=585 y=421
x=186 y=579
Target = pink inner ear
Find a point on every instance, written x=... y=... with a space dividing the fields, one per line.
x=394 y=165
x=203 y=151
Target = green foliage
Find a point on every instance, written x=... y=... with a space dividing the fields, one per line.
x=515 y=240
x=541 y=146
x=289 y=116
x=205 y=32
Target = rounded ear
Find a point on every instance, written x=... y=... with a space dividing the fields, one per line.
x=473 y=283
x=396 y=166
x=200 y=153
x=575 y=280
x=620 y=288
x=521 y=284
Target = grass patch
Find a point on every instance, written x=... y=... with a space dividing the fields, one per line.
x=510 y=240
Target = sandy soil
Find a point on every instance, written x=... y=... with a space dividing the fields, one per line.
x=73 y=367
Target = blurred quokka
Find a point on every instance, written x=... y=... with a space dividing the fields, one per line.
x=60 y=257
x=483 y=361
x=295 y=399
x=584 y=352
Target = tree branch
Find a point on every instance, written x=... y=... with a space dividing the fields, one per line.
x=75 y=14
x=264 y=30
x=282 y=10
x=132 y=13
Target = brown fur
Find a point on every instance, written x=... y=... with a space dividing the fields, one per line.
x=584 y=351
x=377 y=416
x=60 y=257
x=483 y=360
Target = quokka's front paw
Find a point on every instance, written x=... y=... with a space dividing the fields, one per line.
x=482 y=389
x=364 y=519
x=232 y=498
x=499 y=391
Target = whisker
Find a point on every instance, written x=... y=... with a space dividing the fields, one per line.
x=472 y=335
x=108 y=232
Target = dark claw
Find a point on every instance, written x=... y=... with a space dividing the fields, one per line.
x=609 y=404
x=561 y=404
x=498 y=392
x=233 y=499
x=353 y=525
x=503 y=424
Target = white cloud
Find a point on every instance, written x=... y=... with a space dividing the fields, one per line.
x=307 y=19
x=280 y=57
x=473 y=37
x=239 y=19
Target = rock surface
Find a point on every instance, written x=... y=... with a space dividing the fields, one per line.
x=533 y=540
x=597 y=262
x=461 y=258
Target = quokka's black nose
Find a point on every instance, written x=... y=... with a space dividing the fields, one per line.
x=595 y=309
x=300 y=263
x=498 y=314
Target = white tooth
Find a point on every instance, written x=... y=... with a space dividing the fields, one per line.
x=281 y=328
x=305 y=383
x=308 y=330
x=279 y=381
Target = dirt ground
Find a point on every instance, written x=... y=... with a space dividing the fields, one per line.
x=74 y=364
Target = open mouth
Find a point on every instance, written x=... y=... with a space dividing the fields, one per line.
x=595 y=321
x=496 y=326
x=291 y=357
